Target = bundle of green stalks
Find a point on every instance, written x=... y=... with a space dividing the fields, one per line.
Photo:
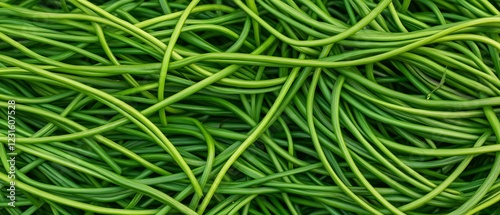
x=237 y=107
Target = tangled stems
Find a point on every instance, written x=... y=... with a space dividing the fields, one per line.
x=273 y=107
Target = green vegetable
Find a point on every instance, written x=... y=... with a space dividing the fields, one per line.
x=249 y=107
